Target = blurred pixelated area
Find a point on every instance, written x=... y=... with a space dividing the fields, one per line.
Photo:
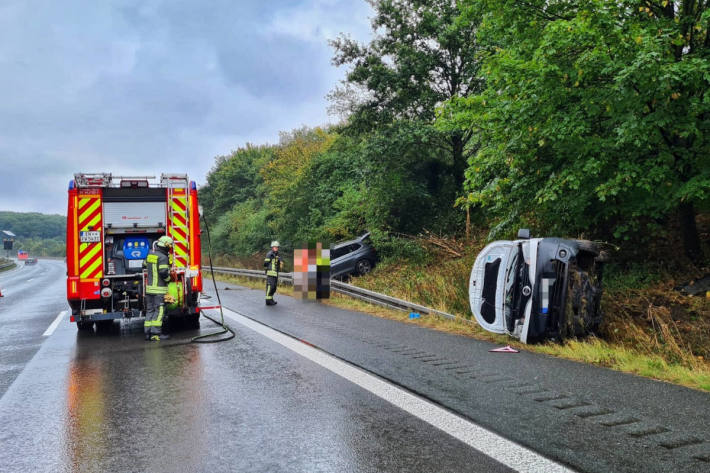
x=311 y=271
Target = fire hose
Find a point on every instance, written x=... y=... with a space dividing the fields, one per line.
x=225 y=328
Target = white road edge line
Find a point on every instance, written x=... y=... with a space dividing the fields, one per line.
x=53 y=326
x=504 y=451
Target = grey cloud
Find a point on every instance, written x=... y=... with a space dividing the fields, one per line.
x=150 y=86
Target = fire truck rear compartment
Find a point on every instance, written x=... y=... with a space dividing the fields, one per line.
x=134 y=212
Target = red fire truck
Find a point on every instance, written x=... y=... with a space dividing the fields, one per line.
x=112 y=223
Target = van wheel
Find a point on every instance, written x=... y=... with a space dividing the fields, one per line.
x=363 y=266
x=583 y=313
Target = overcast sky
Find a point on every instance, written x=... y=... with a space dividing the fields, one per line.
x=150 y=86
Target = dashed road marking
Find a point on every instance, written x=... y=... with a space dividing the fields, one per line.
x=498 y=448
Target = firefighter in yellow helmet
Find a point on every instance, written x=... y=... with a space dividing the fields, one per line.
x=158 y=265
x=272 y=265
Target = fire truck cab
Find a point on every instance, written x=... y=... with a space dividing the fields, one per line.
x=112 y=224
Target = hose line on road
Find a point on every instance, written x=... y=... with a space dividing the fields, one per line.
x=225 y=328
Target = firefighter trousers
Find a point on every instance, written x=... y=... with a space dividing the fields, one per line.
x=271 y=283
x=154 y=311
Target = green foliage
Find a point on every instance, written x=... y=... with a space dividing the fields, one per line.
x=409 y=185
x=620 y=279
x=39 y=234
x=33 y=224
x=243 y=230
x=394 y=250
x=42 y=246
x=571 y=118
x=234 y=179
x=421 y=55
x=319 y=185
x=595 y=117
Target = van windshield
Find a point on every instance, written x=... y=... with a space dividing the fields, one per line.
x=510 y=284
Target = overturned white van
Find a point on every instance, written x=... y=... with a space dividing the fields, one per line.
x=538 y=288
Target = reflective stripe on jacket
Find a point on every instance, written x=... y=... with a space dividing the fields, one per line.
x=272 y=263
x=158 y=272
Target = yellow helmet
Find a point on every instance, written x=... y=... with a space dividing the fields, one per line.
x=165 y=241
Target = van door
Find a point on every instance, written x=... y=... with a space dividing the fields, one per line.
x=486 y=283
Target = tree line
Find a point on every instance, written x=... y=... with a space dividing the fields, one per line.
x=39 y=234
x=571 y=118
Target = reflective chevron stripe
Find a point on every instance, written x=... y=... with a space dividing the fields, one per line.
x=178 y=225
x=89 y=218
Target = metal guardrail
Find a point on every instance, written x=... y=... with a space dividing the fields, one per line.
x=348 y=290
x=250 y=273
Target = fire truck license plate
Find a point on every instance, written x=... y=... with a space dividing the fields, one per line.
x=89 y=237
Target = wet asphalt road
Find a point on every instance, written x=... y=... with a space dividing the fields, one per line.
x=111 y=402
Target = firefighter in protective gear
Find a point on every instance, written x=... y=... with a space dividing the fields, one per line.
x=272 y=265
x=158 y=265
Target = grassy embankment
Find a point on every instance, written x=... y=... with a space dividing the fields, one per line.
x=3 y=262
x=649 y=329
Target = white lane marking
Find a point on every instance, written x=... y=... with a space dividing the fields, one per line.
x=53 y=326
x=493 y=445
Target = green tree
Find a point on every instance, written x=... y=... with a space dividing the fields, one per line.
x=34 y=224
x=234 y=179
x=596 y=115
x=39 y=234
x=420 y=57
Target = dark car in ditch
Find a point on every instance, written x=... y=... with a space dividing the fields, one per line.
x=352 y=257
x=538 y=288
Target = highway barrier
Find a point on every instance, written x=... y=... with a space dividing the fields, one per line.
x=348 y=290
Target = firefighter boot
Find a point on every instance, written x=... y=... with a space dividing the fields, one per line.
x=156 y=337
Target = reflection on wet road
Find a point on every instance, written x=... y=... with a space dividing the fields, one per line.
x=110 y=401
x=133 y=405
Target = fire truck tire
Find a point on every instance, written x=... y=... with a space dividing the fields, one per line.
x=193 y=320
x=84 y=325
x=104 y=325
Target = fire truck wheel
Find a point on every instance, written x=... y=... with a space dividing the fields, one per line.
x=193 y=320
x=84 y=325
x=104 y=325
